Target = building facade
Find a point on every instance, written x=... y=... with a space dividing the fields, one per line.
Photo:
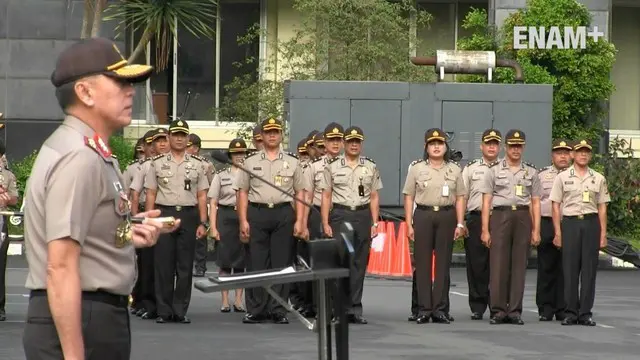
x=33 y=32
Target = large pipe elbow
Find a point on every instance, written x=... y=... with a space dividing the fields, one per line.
x=519 y=76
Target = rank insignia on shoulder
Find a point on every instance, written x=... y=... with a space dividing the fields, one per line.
x=545 y=168
x=222 y=170
x=114 y=156
x=417 y=161
x=494 y=163
x=157 y=157
x=529 y=165
x=197 y=157
x=454 y=163
x=250 y=154
x=331 y=161
x=293 y=155
x=366 y=158
x=317 y=159
x=472 y=162
x=96 y=146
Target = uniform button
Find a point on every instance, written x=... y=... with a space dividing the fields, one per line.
x=270 y=205
x=436 y=208
x=178 y=208
x=514 y=207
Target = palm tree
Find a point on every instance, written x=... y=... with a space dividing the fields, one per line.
x=161 y=19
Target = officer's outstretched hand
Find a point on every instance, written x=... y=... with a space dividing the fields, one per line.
x=147 y=233
x=244 y=232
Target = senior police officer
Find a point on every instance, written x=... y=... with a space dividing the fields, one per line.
x=477 y=254
x=79 y=250
x=351 y=183
x=580 y=196
x=223 y=220
x=268 y=218
x=8 y=197
x=512 y=189
x=176 y=183
x=436 y=186
x=549 y=284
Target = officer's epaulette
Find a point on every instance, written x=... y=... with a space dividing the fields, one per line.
x=317 y=159
x=454 y=163
x=197 y=157
x=304 y=166
x=331 y=161
x=418 y=161
x=114 y=156
x=494 y=163
x=293 y=155
x=146 y=159
x=529 y=165
x=250 y=154
x=472 y=162
x=157 y=157
x=222 y=170
x=366 y=158
x=545 y=168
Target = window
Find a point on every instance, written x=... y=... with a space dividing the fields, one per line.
x=203 y=67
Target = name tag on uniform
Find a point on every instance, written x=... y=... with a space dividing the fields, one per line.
x=519 y=190
x=278 y=180
x=445 y=190
x=586 y=197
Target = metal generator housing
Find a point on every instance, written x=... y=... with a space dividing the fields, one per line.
x=395 y=115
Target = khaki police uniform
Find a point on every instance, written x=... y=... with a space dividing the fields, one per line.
x=434 y=191
x=351 y=189
x=271 y=219
x=76 y=191
x=550 y=283
x=579 y=198
x=8 y=182
x=510 y=228
x=177 y=184
x=477 y=255
x=230 y=251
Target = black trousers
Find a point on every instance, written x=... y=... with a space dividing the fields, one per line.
x=434 y=232
x=147 y=277
x=3 y=262
x=105 y=330
x=415 y=306
x=550 y=281
x=477 y=262
x=302 y=294
x=200 y=256
x=270 y=247
x=580 y=249
x=173 y=260
x=361 y=221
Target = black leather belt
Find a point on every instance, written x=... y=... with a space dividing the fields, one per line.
x=581 y=217
x=434 y=208
x=99 y=296
x=546 y=217
x=511 y=207
x=176 y=207
x=269 y=205
x=232 y=207
x=352 y=208
x=474 y=212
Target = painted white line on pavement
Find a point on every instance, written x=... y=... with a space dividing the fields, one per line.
x=458 y=293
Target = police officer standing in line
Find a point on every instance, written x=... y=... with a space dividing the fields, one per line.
x=350 y=192
x=8 y=197
x=267 y=218
x=223 y=220
x=177 y=185
x=311 y=150
x=303 y=154
x=157 y=143
x=549 y=285
x=512 y=188
x=477 y=254
x=256 y=139
x=79 y=248
x=438 y=190
x=200 y=260
x=580 y=196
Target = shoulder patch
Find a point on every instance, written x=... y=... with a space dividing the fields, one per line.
x=293 y=155
x=197 y=157
x=222 y=170
x=416 y=162
x=529 y=165
x=371 y=160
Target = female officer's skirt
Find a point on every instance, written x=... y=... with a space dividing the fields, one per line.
x=230 y=251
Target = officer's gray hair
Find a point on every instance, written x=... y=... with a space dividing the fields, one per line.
x=66 y=95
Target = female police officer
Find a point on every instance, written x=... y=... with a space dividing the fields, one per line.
x=436 y=185
x=223 y=220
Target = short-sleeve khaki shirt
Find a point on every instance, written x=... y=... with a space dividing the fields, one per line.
x=546 y=175
x=511 y=188
x=177 y=183
x=209 y=169
x=283 y=172
x=431 y=186
x=343 y=181
x=579 y=196
x=473 y=175
x=75 y=192
x=130 y=172
x=8 y=182
x=221 y=188
x=313 y=175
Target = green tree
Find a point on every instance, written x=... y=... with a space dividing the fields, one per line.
x=335 y=40
x=580 y=77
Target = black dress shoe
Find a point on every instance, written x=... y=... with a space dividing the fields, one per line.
x=423 y=319
x=199 y=273
x=308 y=313
x=587 y=322
x=163 y=319
x=279 y=319
x=497 y=320
x=149 y=315
x=516 y=320
x=449 y=317
x=182 y=320
x=545 y=318
x=440 y=319
x=140 y=312
x=253 y=319
x=560 y=316
x=476 y=316
x=412 y=317
x=357 y=319
x=569 y=321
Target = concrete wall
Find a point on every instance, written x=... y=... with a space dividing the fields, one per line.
x=32 y=34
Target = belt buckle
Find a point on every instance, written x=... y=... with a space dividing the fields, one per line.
x=436 y=208
x=178 y=208
x=270 y=205
x=352 y=208
x=514 y=207
x=581 y=217
x=235 y=207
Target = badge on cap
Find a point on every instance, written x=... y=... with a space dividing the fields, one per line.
x=436 y=133
x=562 y=143
x=516 y=134
x=272 y=121
x=583 y=142
x=354 y=132
x=238 y=144
x=180 y=123
x=335 y=130
x=493 y=133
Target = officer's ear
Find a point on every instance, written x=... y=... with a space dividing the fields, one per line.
x=85 y=92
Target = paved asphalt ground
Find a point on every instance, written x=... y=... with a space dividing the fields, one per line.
x=214 y=335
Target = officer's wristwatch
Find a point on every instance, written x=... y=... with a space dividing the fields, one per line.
x=205 y=224
x=375 y=225
x=461 y=226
